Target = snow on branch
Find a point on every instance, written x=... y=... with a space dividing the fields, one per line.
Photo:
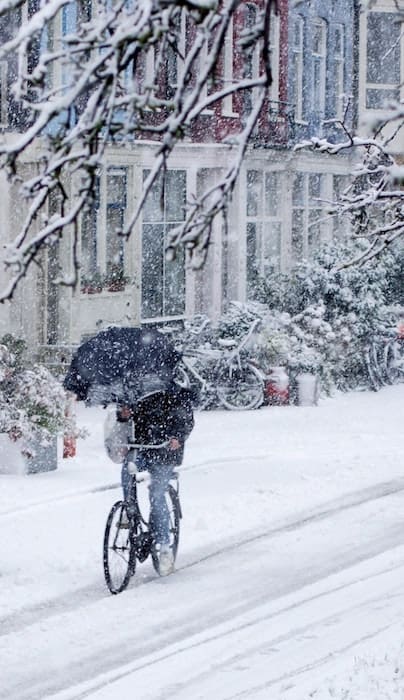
x=374 y=199
x=88 y=75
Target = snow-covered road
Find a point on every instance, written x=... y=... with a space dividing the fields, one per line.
x=292 y=555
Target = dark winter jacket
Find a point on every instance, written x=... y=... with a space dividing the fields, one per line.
x=160 y=417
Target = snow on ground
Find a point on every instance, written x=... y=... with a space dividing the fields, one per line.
x=283 y=507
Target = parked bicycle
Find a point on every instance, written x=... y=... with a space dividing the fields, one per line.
x=384 y=358
x=223 y=375
x=128 y=536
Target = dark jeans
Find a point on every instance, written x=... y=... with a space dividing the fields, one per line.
x=160 y=477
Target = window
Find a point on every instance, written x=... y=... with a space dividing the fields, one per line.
x=175 y=55
x=307 y=214
x=227 y=104
x=115 y=215
x=338 y=71
x=264 y=225
x=102 y=248
x=89 y=227
x=341 y=223
x=297 y=67
x=274 y=60
x=251 y=58
x=383 y=59
x=3 y=94
x=163 y=281
x=318 y=65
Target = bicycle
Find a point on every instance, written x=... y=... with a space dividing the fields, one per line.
x=128 y=536
x=224 y=375
x=384 y=359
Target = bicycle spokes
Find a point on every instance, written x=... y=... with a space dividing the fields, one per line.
x=119 y=561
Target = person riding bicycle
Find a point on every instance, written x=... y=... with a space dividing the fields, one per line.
x=162 y=413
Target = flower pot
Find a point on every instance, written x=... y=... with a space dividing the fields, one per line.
x=277 y=387
x=44 y=457
x=14 y=460
x=308 y=387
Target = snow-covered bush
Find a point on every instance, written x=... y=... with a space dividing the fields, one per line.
x=320 y=318
x=335 y=310
x=32 y=401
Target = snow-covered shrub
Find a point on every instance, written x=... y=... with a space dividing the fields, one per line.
x=336 y=310
x=32 y=401
x=319 y=318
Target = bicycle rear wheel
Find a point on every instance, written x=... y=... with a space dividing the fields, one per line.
x=174 y=509
x=241 y=389
x=394 y=361
x=119 y=556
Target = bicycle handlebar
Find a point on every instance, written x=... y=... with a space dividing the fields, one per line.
x=159 y=446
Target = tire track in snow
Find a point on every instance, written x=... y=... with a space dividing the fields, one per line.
x=87 y=688
x=47 y=609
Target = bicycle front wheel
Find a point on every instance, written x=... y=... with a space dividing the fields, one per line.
x=174 y=510
x=241 y=389
x=119 y=557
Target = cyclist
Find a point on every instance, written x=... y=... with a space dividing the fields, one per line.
x=162 y=414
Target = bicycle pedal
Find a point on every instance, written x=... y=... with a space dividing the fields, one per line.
x=143 y=545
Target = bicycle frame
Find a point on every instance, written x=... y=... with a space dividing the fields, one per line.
x=142 y=543
x=229 y=357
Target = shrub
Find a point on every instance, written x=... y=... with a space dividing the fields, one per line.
x=32 y=401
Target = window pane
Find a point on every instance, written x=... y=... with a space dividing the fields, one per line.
x=340 y=183
x=318 y=39
x=298 y=189
x=297 y=235
x=175 y=194
x=314 y=188
x=152 y=270
x=383 y=48
x=251 y=259
x=339 y=41
x=153 y=209
x=115 y=215
x=174 y=285
x=116 y=186
x=114 y=240
x=314 y=232
x=297 y=33
x=378 y=99
x=254 y=192
x=272 y=194
x=163 y=281
x=89 y=233
x=272 y=247
x=317 y=85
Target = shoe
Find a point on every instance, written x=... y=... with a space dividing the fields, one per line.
x=124 y=522
x=166 y=560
